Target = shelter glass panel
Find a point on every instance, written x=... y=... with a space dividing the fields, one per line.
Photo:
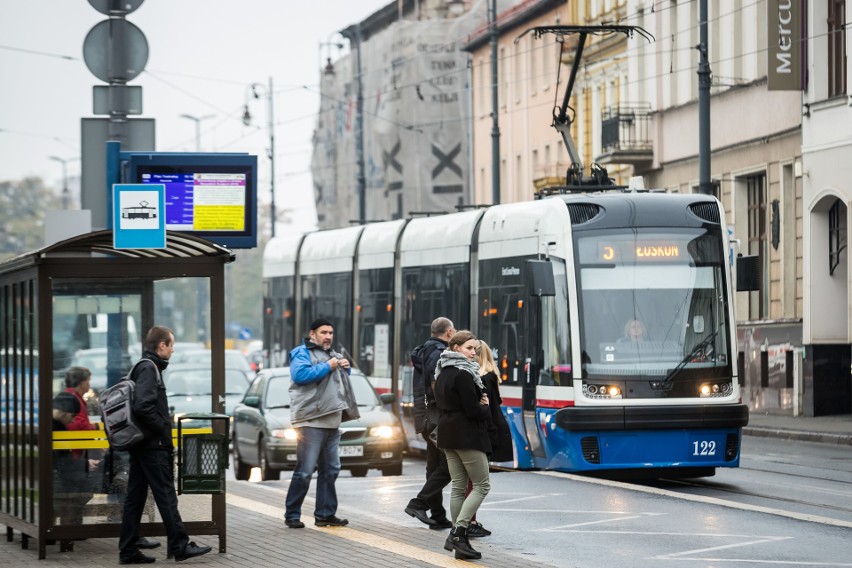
x=19 y=364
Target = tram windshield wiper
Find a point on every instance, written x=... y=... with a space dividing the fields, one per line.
x=666 y=382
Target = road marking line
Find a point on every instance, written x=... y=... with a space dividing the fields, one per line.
x=762 y=540
x=700 y=499
x=354 y=535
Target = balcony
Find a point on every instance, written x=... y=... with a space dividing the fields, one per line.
x=625 y=137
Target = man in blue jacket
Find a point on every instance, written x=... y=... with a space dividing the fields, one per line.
x=319 y=395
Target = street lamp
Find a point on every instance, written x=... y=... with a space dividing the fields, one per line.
x=247 y=120
x=65 y=192
x=329 y=67
x=197 y=120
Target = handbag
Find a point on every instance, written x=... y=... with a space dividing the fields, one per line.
x=433 y=436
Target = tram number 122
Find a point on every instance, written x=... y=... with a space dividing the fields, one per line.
x=704 y=448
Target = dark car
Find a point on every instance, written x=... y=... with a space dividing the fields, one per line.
x=189 y=389
x=263 y=436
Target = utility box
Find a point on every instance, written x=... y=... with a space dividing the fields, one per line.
x=202 y=458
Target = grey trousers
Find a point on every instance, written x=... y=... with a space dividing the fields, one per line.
x=467 y=465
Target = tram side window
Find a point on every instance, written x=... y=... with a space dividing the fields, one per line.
x=504 y=321
x=279 y=320
x=329 y=296
x=429 y=292
x=375 y=321
x=502 y=314
x=556 y=332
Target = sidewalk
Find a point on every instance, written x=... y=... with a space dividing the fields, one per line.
x=826 y=429
x=258 y=538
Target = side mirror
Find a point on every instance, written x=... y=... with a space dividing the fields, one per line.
x=387 y=397
x=253 y=401
x=748 y=273
x=540 y=280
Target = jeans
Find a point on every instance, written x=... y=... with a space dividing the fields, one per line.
x=467 y=465
x=151 y=468
x=317 y=448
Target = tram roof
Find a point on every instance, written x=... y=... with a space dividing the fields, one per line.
x=378 y=244
x=323 y=252
x=524 y=220
x=645 y=209
x=450 y=234
x=279 y=255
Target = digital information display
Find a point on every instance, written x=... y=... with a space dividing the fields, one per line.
x=212 y=196
x=203 y=201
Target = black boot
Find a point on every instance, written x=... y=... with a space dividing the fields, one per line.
x=458 y=541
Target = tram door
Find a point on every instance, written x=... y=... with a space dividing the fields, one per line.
x=540 y=284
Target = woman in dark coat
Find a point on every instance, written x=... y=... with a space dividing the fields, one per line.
x=498 y=428
x=463 y=435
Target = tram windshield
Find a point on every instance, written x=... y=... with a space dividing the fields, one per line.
x=652 y=300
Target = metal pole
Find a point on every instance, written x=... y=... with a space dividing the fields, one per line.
x=495 y=125
x=65 y=191
x=359 y=132
x=704 y=184
x=270 y=94
x=197 y=120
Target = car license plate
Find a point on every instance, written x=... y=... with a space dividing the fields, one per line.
x=351 y=451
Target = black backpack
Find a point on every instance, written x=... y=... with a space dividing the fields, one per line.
x=117 y=415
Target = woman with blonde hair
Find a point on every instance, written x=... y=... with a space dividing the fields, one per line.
x=463 y=435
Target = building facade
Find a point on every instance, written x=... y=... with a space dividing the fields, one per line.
x=827 y=189
x=755 y=144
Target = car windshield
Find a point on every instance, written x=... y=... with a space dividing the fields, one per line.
x=364 y=393
x=278 y=392
x=233 y=359
x=198 y=381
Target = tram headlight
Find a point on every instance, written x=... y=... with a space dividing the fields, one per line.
x=707 y=390
x=602 y=391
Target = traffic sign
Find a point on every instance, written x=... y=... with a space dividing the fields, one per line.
x=138 y=216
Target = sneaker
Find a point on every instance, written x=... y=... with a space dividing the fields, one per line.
x=294 y=523
x=331 y=521
x=441 y=523
x=475 y=530
x=421 y=515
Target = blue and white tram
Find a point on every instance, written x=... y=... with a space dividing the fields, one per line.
x=579 y=395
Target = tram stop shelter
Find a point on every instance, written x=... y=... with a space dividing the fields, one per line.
x=83 y=302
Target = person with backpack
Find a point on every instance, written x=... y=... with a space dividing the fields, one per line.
x=424 y=358
x=152 y=459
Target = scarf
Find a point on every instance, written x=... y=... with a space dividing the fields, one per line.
x=451 y=358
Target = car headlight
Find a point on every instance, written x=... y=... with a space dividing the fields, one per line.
x=286 y=433
x=386 y=432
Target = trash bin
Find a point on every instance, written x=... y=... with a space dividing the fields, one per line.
x=202 y=458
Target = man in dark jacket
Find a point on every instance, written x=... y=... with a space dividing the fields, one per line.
x=151 y=461
x=424 y=358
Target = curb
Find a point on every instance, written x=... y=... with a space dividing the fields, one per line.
x=823 y=437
